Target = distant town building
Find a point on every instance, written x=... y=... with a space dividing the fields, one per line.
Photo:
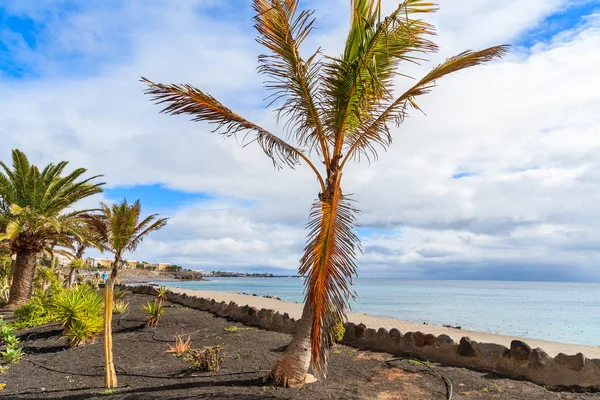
x=61 y=260
x=98 y=262
x=162 y=266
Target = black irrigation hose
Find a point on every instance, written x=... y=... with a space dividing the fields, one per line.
x=446 y=381
x=172 y=376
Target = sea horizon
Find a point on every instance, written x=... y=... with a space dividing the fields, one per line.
x=567 y=312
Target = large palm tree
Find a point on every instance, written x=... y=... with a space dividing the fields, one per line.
x=36 y=209
x=339 y=109
x=118 y=229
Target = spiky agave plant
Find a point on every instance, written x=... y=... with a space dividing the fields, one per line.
x=339 y=109
x=154 y=310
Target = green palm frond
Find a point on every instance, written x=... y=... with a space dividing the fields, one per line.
x=357 y=82
x=375 y=130
x=36 y=207
x=282 y=29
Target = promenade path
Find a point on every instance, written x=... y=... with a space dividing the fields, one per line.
x=295 y=311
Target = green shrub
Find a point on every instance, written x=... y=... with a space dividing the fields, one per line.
x=4 y=290
x=37 y=311
x=119 y=307
x=153 y=311
x=80 y=311
x=338 y=330
x=12 y=354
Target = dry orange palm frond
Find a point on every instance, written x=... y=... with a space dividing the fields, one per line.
x=180 y=347
x=186 y=99
x=329 y=263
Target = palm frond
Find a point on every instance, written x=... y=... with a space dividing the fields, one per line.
x=329 y=263
x=357 y=83
x=282 y=29
x=186 y=99
x=375 y=130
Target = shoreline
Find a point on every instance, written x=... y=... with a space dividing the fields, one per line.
x=295 y=311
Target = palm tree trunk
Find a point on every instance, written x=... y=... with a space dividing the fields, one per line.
x=115 y=268
x=22 y=284
x=71 y=277
x=110 y=376
x=291 y=369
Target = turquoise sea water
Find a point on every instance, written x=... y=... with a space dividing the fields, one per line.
x=562 y=312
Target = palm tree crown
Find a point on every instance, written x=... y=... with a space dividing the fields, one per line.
x=338 y=108
x=120 y=230
x=36 y=205
x=36 y=213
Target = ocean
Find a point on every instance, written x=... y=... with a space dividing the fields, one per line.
x=556 y=311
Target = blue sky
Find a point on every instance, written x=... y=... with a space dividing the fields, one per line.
x=496 y=183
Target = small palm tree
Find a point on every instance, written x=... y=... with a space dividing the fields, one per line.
x=339 y=109
x=119 y=229
x=35 y=209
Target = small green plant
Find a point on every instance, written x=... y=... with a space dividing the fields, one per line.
x=485 y=390
x=208 y=359
x=118 y=294
x=4 y=290
x=3 y=369
x=12 y=354
x=6 y=332
x=80 y=311
x=180 y=347
x=107 y=392
x=161 y=294
x=153 y=311
x=338 y=330
x=119 y=307
x=236 y=328
x=337 y=352
x=11 y=341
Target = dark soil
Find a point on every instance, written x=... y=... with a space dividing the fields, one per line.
x=52 y=371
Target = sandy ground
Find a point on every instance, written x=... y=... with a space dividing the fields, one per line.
x=295 y=311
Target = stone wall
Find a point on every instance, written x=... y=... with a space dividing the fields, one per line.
x=520 y=361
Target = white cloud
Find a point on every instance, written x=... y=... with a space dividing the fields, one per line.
x=526 y=127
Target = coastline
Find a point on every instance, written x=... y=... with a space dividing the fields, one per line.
x=295 y=311
x=131 y=277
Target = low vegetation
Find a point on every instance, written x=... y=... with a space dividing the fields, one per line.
x=154 y=311
x=180 y=348
x=208 y=359
x=119 y=307
x=80 y=311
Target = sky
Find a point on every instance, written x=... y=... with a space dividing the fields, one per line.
x=497 y=179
